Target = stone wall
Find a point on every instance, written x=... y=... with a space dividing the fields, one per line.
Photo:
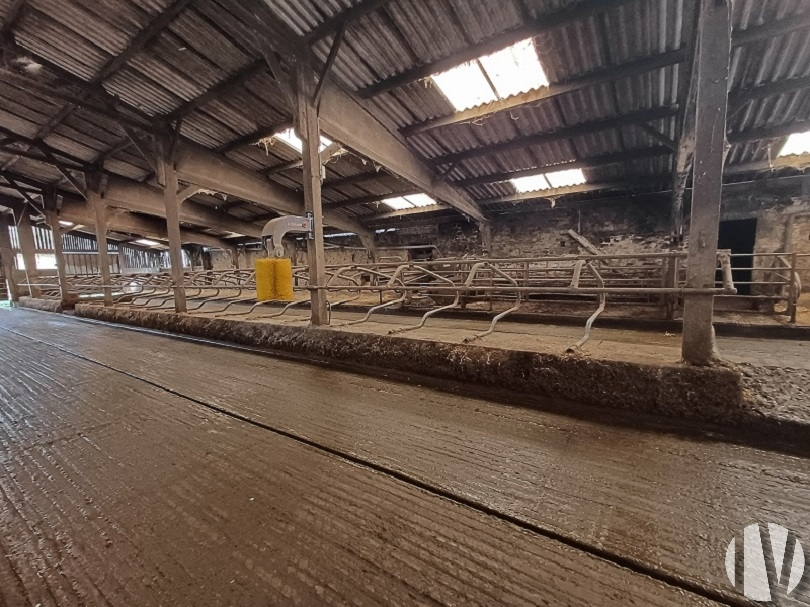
x=620 y=226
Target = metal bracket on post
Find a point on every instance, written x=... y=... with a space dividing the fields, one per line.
x=311 y=230
x=275 y=229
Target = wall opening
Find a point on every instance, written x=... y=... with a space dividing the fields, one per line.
x=739 y=236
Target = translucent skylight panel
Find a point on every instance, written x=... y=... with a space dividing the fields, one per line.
x=797 y=144
x=465 y=86
x=420 y=200
x=563 y=179
x=533 y=183
x=515 y=69
x=398 y=203
x=289 y=137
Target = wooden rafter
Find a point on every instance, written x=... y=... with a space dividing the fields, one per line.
x=539 y=26
x=561 y=134
x=577 y=83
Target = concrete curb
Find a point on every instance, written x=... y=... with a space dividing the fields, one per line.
x=710 y=394
x=44 y=305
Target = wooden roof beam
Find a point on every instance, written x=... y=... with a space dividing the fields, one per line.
x=220 y=90
x=334 y=23
x=371 y=198
x=783 y=26
x=771 y=132
x=539 y=26
x=199 y=166
x=577 y=83
x=589 y=163
x=738 y=99
x=585 y=128
x=120 y=220
x=144 y=37
x=254 y=137
x=345 y=120
x=355 y=180
x=134 y=196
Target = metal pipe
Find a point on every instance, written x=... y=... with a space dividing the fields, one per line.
x=599 y=310
x=495 y=320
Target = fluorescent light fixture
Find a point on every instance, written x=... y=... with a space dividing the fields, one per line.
x=146 y=242
x=66 y=224
x=513 y=70
x=292 y=140
x=533 y=183
x=796 y=145
x=339 y=235
x=399 y=203
x=564 y=179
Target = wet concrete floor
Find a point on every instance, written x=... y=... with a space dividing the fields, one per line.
x=144 y=470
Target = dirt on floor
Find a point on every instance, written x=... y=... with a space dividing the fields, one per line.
x=777 y=392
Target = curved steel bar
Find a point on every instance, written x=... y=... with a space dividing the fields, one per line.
x=165 y=299
x=222 y=313
x=503 y=314
x=199 y=309
x=287 y=307
x=432 y=312
x=600 y=309
x=394 y=277
x=166 y=291
x=145 y=291
x=206 y=300
x=371 y=311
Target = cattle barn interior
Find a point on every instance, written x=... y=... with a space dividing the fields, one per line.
x=404 y=302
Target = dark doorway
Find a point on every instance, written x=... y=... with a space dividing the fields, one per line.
x=739 y=236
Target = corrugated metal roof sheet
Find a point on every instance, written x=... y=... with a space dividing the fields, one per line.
x=206 y=44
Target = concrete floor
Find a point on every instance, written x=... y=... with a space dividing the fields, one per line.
x=143 y=470
x=612 y=344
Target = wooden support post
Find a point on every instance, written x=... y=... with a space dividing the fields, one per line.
x=7 y=257
x=486 y=237
x=369 y=245
x=687 y=92
x=714 y=51
x=25 y=234
x=53 y=220
x=172 y=204
x=309 y=132
x=235 y=257
x=99 y=206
